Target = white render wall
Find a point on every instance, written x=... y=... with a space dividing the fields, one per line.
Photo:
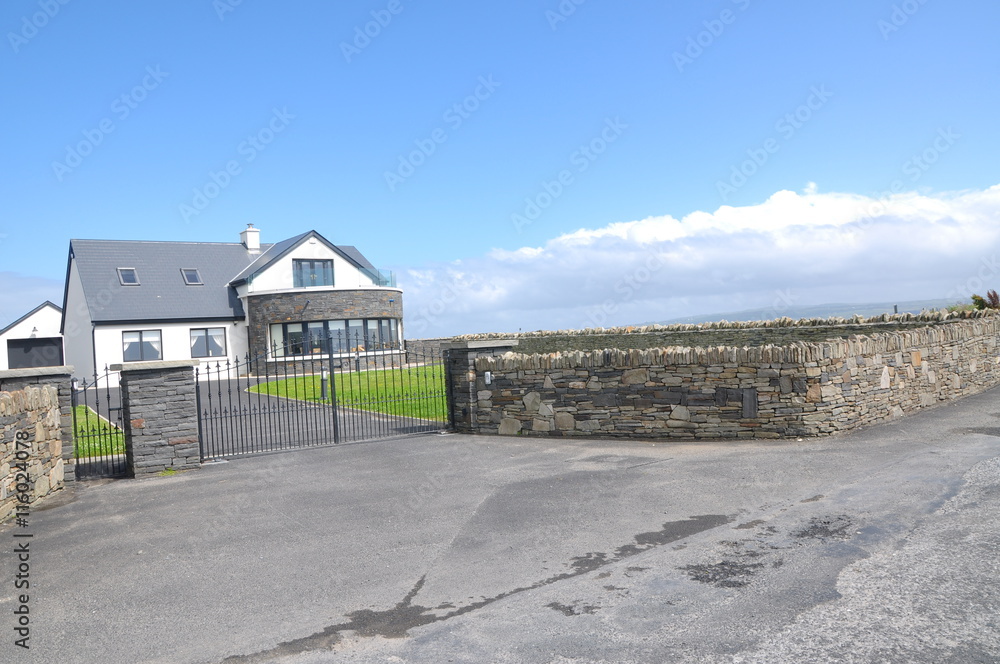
x=278 y=276
x=47 y=320
x=175 y=339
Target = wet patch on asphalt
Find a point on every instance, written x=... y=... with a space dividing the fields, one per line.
x=723 y=574
x=397 y=621
x=986 y=431
x=828 y=527
x=743 y=559
x=574 y=609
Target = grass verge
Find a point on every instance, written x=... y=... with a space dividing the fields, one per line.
x=411 y=392
x=95 y=436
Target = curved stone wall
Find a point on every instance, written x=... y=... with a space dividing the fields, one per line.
x=264 y=309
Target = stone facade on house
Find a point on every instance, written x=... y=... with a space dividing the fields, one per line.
x=265 y=309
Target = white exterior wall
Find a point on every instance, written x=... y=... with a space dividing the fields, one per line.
x=175 y=339
x=279 y=275
x=47 y=321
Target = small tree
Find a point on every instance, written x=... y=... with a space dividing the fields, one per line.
x=991 y=301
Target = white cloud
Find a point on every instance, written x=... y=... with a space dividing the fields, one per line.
x=811 y=247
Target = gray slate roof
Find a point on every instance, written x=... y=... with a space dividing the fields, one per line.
x=162 y=293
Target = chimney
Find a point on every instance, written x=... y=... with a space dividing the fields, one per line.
x=251 y=239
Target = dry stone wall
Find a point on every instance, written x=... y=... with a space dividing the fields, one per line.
x=799 y=389
x=31 y=463
x=779 y=332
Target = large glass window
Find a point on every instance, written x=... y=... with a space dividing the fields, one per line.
x=141 y=346
x=307 y=273
x=293 y=338
x=355 y=335
x=316 y=337
x=208 y=342
x=338 y=335
x=343 y=336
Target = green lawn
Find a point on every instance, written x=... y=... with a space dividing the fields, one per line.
x=411 y=392
x=94 y=435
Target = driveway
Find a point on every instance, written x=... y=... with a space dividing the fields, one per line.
x=879 y=546
x=236 y=421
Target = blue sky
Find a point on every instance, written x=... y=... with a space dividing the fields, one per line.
x=522 y=164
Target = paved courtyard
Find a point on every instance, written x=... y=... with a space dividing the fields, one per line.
x=880 y=546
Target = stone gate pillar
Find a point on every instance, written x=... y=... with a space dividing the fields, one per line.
x=464 y=383
x=160 y=416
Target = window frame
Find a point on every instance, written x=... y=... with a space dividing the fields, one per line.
x=142 y=342
x=339 y=329
x=123 y=281
x=197 y=274
x=324 y=270
x=206 y=330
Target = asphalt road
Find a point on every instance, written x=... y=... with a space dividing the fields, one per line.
x=879 y=546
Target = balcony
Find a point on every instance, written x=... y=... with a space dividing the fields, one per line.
x=385 y=278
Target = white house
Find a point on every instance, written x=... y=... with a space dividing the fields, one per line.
x=133 y=301
x=33 y=340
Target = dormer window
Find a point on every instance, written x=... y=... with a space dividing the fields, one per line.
x=306 y=273
x=127 y=276
x=191 y=276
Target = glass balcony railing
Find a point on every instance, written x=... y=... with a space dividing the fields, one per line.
x=381 y=277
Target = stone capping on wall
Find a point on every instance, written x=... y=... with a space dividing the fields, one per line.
x=930 y=317
x=795 y=353
x=34 y=372
x=155 y=365
x=479 y=345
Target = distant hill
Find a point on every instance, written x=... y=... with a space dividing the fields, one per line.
x=816 y=311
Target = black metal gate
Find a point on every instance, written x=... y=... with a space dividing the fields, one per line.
x=98 y=436
x=319 y=393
